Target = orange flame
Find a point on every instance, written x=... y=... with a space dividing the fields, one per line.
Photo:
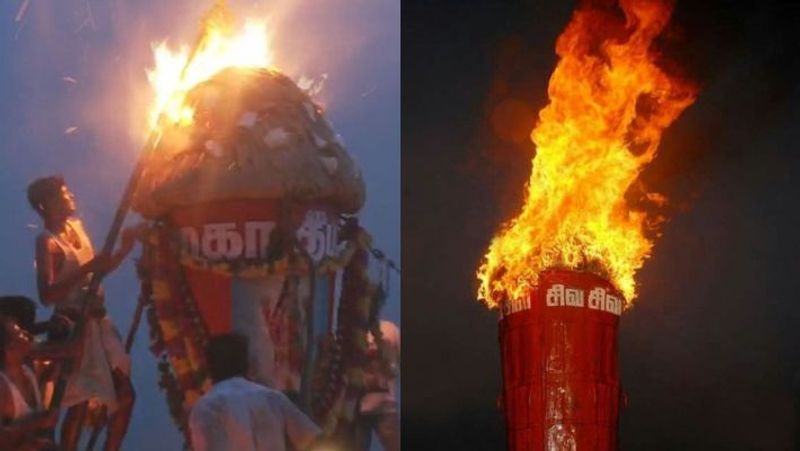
x=220 y=46
x=609 y=105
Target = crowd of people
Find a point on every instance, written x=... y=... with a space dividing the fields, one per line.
x=75 y=363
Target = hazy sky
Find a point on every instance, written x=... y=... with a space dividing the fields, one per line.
x=81 y=63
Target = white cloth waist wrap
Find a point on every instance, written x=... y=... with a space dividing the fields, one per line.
x=102 y=349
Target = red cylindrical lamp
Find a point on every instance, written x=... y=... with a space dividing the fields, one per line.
x=560 y=367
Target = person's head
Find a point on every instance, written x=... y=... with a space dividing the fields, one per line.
x=51 y=198
x=226 y=356
x=17 y=315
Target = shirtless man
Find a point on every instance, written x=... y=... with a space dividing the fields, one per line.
x=65 y=262
x=21 y=413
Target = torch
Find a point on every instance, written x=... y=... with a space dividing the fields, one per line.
x=219 y=14
x=562 y=272
x=245 y=193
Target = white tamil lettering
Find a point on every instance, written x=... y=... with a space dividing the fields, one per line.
x=505 y=309
x=523 y=303
x=312 y=234
x=318 y=234
x=515 y=305
x=574 y=297
x=597 y=298
x=613 y=305
x=222 y=241
x=256 y=238
x=555 y=295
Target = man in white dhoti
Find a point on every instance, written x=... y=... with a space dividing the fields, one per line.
x=65 y=262
x=239 y=415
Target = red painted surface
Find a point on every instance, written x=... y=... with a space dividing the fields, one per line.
x=212 y=293
x=560 y=373
x=226 y=211
x=212 y=290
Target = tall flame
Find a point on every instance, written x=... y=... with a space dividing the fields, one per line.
x=609 y=105
x=220 y=46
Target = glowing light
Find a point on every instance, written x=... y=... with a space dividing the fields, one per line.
x=220 y=46
x=609 y=103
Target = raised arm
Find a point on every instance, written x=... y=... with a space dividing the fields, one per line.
x=49 y=256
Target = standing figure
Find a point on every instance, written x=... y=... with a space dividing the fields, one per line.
x=378 y=406
x=240 y=415
x=65 y=262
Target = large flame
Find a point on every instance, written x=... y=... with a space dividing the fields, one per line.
x=609 y=104
x=221 y=45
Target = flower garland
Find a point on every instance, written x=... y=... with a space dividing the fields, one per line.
x=242 y=269
x=338 y=380
x=177 y=331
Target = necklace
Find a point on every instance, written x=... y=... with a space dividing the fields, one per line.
x=71 y=236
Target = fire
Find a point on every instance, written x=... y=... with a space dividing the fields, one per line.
x=220 y=46
x=609 y=103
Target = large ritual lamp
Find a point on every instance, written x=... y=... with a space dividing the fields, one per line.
x=246 y=203
x=562 y=271
x=559 y=356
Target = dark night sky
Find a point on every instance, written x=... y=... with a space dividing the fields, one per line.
x=710 y=352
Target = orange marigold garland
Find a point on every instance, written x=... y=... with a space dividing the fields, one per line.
x=178 y=333
x=338 y=381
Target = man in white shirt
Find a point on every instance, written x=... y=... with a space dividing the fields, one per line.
x=239 y=415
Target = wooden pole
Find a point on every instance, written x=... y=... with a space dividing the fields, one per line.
x=94 y=283
x=217 y=11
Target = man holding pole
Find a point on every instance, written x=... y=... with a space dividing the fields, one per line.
x=65 y=265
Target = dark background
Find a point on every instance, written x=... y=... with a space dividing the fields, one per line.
x=711 y=351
